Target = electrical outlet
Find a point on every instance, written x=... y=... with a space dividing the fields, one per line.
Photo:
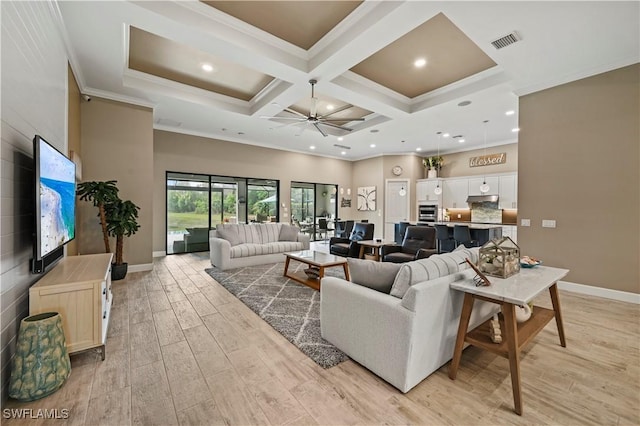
x=525 y=222
x=548 y=223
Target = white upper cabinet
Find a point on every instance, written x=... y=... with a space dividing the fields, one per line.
x=492 y=181
x=508 y=192
x=425 y=190
x=455 y=193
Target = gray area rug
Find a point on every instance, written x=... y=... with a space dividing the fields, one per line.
x=289 y=307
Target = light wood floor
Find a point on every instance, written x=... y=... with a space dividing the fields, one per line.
x=182 y=350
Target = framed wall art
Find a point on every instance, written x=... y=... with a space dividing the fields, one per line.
x=367 y=198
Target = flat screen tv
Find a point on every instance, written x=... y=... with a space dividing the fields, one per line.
x=55 y=209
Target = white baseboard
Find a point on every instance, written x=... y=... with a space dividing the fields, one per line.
x=159 y=253
x=140 y=268
x=606 y=293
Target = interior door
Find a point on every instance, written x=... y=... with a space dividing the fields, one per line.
x=397 y=196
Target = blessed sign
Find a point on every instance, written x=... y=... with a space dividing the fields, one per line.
x=488 y=160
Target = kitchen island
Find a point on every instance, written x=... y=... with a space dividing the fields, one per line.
x=481 y=232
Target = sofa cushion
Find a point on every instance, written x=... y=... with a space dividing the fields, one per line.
x=269 y=232
x=375 y=275
x=288 y=233
x=435 y=266
x=249 y=249
x=229 y=234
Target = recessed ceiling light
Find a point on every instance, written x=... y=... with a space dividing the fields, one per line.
x=510 y=112
x=418 y=149
x=420 y=62
x=461 y=140
x=373 y=145
x=344 y=153
x=464 y=103
x=207 y=67
x=312 y=147
x=515 y=130
x=340 y=138
x=445 y=135
x=330 y=107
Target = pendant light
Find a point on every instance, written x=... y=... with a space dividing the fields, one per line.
x=438 y=188
x=484 y=188
x=402 y=191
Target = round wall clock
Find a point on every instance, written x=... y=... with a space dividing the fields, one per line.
x=397 y=170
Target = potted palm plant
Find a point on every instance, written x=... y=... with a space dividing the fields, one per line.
x=122 y=221
x=100 y=194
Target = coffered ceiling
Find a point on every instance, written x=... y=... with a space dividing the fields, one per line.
x=235 y=70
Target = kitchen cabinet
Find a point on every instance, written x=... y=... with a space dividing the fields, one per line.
x=455 y=193
x=475 y=182
x=508 y=195
x=79 y=288
x=425 y=190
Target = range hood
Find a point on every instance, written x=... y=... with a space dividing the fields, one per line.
x=482 y=199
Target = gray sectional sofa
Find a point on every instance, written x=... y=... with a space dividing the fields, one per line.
x=240 y=245
x=402 y=320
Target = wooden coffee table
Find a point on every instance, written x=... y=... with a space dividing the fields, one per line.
x=314 y=258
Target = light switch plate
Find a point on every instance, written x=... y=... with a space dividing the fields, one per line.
x=548 y=223
x=525 y=222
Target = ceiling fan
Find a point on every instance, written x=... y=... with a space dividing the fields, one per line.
x=319 y=120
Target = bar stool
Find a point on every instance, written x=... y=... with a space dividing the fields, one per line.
x=462 y=235
x=442 y=235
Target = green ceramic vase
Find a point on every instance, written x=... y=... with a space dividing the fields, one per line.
x=41 y=364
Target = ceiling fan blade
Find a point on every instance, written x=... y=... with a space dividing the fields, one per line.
x=288 y=124
x=341 y=119
x=320 y=130
x=275 y=117
x=335 y=111
x=335 y=126
x=291 y=111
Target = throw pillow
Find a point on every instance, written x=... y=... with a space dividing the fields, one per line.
x=374 y=275
x=288 y=233
x=229 y=235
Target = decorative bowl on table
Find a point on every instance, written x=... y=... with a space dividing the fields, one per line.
x=529 y=262
x=313 y=272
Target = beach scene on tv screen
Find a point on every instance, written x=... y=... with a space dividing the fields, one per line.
x=57 y=199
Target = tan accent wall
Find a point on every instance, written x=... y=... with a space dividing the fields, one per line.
x=457 y=164
x=177 y=152
x=579 y=162
x=117 y=143
x=73 y=132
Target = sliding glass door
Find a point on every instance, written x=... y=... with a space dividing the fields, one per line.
x=197 y=203
x=314 y=208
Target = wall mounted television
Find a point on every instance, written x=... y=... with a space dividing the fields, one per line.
x=55 y=209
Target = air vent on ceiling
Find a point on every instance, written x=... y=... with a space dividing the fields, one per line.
x=506 y=40
x=169 y=122
x=341 y=146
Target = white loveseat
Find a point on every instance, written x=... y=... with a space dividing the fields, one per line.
x=406 y=337
x=240 y=245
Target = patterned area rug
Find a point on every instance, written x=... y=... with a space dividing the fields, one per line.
x=289 y=307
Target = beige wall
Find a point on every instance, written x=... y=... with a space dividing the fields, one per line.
x=369 y=172
x=73 y=137
x=457 y=164
x=117 y=143
x=579 y=151
x=183 y=153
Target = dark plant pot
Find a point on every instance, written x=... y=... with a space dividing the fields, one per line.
x=118 y=272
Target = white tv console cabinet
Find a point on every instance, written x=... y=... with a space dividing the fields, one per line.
x=79 y=288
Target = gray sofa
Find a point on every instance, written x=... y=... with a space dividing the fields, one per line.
x=240 y=245
x=405 y=334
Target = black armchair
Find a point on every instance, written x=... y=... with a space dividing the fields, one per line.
x=419 y=242
x=348 y=247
